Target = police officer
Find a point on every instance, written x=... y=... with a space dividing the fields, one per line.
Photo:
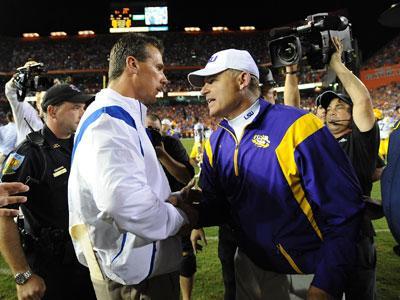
x=43 y=260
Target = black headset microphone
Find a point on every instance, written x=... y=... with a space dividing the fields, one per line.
x=338 y=121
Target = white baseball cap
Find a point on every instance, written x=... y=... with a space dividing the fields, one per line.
x=166 y=122
x=226 y=59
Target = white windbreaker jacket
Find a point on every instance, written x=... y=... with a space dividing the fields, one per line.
x=21 y=111
x=118 y=189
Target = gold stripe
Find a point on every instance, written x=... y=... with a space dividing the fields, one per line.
x=235 y=160
x=301 y=129
x=289 y=259
x=207 y=147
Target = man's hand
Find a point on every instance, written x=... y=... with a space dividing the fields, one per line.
x=7 y=189
x=183 y=201
x=336 y=57
x=33 y=289
x=160 y=150
x=315 y=293
x=197 y=234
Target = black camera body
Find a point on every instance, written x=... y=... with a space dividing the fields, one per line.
x=31 y=79
x=311 y=41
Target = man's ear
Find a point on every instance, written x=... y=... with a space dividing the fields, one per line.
x=244 y=80
x=132 y=65
x=51 y=111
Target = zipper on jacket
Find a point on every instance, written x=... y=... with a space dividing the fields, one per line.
x=289 y=259
x=236 y=152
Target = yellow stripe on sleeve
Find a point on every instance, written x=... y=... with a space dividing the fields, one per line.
x=300 y=130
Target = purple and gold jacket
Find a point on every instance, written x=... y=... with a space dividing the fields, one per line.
x=290 y=193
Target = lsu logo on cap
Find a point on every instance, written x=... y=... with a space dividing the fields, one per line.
x=213 y=58
x=12 y=164
x=261 y=140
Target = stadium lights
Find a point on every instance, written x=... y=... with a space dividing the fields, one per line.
x=192 y=29
x=220 y=28
x=86 y=32
x=247 y=28
x=58 y=33
x=183 y=94
x=31 y=35
x=304 y=86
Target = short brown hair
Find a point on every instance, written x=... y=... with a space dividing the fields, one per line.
x=253 y=85
x=131 y=44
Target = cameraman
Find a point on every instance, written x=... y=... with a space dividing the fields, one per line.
x=267 y=85
x=23 y=112
x=352 y=122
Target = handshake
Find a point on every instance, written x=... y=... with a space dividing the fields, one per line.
x=186 y=200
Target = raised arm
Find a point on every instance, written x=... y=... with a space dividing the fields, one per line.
x=363 y=114
x=291 y=93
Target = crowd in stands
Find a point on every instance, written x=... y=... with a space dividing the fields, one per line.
x=386 y=98
x=183 y=49
x=182 y=117
x=387 y=55
x=184 y=52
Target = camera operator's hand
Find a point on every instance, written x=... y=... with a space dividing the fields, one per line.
x=160 y=151
x=336 y=58
x=15 y=75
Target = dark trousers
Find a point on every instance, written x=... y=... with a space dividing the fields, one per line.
x=362 y=281
x=162 y=287
x=63 y=281
x=227 y=245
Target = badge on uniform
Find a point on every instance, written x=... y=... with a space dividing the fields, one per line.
x=12 y=163
x=59 y=171
x=261 y=140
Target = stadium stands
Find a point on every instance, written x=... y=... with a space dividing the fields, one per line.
x=86 y=60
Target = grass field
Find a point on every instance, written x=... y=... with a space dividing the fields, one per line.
x=208 y=283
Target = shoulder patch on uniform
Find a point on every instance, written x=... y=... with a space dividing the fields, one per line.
x=12 y=163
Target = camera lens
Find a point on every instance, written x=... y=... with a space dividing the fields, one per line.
x=287 y=52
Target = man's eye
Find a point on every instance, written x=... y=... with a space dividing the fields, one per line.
x=209 y=81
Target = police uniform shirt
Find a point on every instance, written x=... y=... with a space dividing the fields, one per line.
x=48 y=202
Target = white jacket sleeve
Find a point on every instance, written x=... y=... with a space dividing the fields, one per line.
x=22 y=110
x=121 y=189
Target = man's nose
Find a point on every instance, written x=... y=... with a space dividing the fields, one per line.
x=204 y=90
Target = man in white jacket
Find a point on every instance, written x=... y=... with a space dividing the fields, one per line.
x=118 y=188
